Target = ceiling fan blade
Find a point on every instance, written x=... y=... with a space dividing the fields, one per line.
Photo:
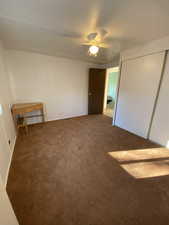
x=100 y=45
x=92 y=36
x=103 y=33
x=87 y=43
x=103 y=45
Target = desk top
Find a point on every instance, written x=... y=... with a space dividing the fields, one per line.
x=20 y=108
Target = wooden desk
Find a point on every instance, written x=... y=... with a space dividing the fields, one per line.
x=22 y=108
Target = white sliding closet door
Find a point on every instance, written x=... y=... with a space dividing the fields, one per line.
x=139 y=83
x=160 y=126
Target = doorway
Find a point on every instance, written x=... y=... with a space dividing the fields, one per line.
x=96 y=92
x=111 y=85
x=102 y=93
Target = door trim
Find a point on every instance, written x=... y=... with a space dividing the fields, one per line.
x=117 y=94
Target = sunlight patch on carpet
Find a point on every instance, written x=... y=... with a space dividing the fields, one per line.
x=144 y=163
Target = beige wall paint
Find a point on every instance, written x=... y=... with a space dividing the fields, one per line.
x=7 y=131
x=6 y=98
x=160 y=125
x=149 y=48
x=5 y=155
x=62 y=84
x=7 y=216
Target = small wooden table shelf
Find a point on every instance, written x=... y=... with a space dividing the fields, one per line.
x=21 y=109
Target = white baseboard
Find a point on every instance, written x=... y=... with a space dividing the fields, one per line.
x=65 y=117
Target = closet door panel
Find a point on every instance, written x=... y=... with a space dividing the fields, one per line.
x=160 y=126
x=139 y=83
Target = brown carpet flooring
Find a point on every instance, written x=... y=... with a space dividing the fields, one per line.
x=62 y=173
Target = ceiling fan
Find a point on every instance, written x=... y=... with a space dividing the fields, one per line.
x=95 y=42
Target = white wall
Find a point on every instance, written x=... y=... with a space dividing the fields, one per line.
x=6 y=98
x=155 y=46
x=62 y=84
x=5 y=155
x=7 y=131
x=160 y=126
x=7 y=216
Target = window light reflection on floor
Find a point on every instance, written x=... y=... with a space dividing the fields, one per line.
x=144 y=163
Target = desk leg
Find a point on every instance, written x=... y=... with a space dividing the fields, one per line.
x=25 y=124
x=43 y=116
x=15 y=122
x=26 y=129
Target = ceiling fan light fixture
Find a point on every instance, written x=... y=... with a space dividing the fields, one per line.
x=93 y=50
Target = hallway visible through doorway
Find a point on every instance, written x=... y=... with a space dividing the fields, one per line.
x=110 y=91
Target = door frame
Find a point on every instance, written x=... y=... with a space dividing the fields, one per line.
x=113 y=69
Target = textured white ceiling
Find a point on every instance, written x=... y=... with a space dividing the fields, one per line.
x=59 y=27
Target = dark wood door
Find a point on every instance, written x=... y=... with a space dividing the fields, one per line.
x=96 y=90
